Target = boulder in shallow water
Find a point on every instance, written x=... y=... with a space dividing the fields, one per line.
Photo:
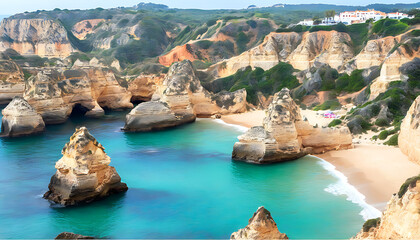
x=83 y=173
x=19 y=119
x=260 y=226
x=69 y=235
x=154 y=115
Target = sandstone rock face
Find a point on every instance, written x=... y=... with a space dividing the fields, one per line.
x=83 y=173
x=260 y=226
x=11 y=80
x=180 y=99
x=409 y=138
x=42 y=37
x=301 y=50
x=55 y=94
x=85 y=27
x=19 y=119
x=285 y=136
x=401 y=217
x=143 y=87
x=69 y=235
x=154 y=115
x=375 y=52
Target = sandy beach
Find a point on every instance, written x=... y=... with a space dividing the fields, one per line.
x=377 y=171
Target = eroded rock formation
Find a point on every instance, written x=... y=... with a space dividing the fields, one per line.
x=83 y=173
x=301 y=50
x=401 y=217
x=409 y=138
x=143 y=87
x=69 y=235
x=180 y=99
x=11 y=80
x=85 y=27
x=43 y=37
x=54 y=94
x=286 y=136
x=260 y=226
x=20 y=119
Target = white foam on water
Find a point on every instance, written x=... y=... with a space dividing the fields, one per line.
x=343 y=187
x=237 y=127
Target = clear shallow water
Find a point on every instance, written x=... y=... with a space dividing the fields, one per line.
x=182 y=184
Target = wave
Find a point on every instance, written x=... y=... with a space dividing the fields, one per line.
x=235 y=126
x=343 y=187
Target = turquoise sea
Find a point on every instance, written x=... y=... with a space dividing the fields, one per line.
x=182 y=184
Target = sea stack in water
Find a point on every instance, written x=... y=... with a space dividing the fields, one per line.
x=69 y=235
x=285 y=136
x=83 y=173
x=401 y=218
x=180 y=99
x=409 y=138
x=260 y=226
x=20 y=118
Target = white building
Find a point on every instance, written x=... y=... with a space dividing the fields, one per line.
x=360 y=16
x=306 y=22
x=397 y=15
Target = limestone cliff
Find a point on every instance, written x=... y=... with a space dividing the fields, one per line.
x=301 y=50
x=20 y=119
x=260 y=226
x=401 y=217
x=409 y=138
x=83 y=173
x=11 y=80
x=55 y=94
x=46 y=38
x=286 y=136
x=85 y=27
x=180 y=99
x=143 y=86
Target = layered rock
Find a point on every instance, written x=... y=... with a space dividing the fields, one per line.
x=401 y=217
x=286 y=136
x=20 y=119
x=260 y=226
x=69 y=235
x=11 y=80
x=85 y=27
x=180 y=99
x=83 y=173
x=409 y=138
x=46 y=38
x=301 y=50
x=55 y=94
x=143 y=87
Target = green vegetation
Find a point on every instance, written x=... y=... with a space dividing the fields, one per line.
x=334 y=123
x=389 y=27
x=204 y=44
x=383 y=135
x=371 y=223
x=411 y=182
x=352 y=83
x=392 y=141
x=381 y=122
x=254 y=81
x=330 y=104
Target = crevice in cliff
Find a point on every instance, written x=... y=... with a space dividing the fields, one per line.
x=78 y=111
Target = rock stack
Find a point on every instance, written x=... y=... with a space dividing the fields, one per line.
x=20 y=119
x=260 y=226
x=409 y=138
x=180 y=99
x=83 y=173
x=286 y=136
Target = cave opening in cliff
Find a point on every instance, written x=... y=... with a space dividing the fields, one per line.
x=78 y=111
x=137 y=100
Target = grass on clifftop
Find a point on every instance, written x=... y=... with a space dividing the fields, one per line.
x=371 y=223
x=411 y=182
x=389 y=27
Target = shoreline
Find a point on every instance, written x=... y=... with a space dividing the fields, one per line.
x=376 y=171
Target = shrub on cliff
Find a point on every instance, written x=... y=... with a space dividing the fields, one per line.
x=392 y=141
x=409 y=182
x=330 y=104
x=352 y=83
x=383 y=135
x=334 y=123
x=389 y=27
x=371 y=223
x=381 y=122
